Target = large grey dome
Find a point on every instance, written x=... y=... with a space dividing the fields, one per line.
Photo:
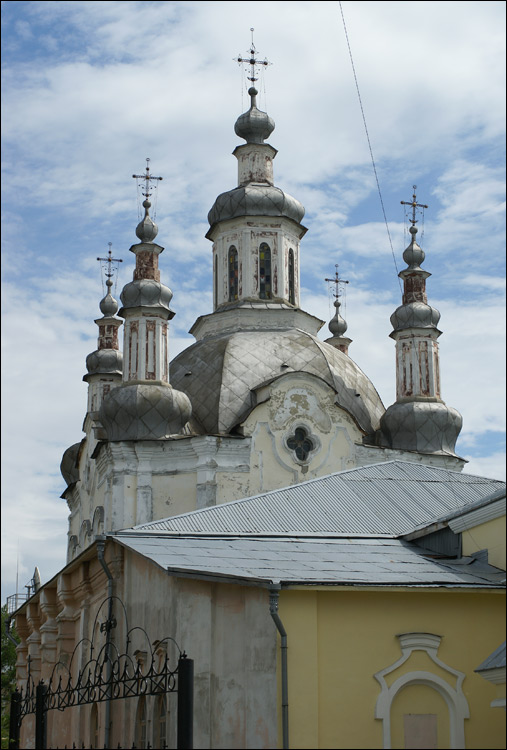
x=422 y=426
x=146 y=293
x=415 y=315
x=219 y=375
x=144 y=411
x=255 y=200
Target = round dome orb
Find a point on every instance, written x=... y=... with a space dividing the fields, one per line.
x=422 y=426
x=214 y=374
x=255 y=200
x=146 y=230
x=337 y=325
x=413 y=255
x=414 y=315
x=146 y=293
x=105 y=362
x=144 y=412
x=108 y=305
x=254 y=126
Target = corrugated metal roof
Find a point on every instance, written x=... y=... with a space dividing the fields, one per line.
x=293 y=560
x=496 y=660
x=387 y=499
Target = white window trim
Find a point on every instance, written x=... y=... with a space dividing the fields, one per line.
x=454 y=697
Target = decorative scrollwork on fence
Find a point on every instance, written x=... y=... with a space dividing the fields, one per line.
x=110 y=675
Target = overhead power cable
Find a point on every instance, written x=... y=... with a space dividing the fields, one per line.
x=369 y=142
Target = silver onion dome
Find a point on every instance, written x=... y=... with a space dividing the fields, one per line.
x=413 y=254
x=104 y=362
x=146 y=230
x=337 y=325
x=146 y=293
x=254 y=126
x=144 y=411
x=108 y=305
x=255 y=200
x=415 y=315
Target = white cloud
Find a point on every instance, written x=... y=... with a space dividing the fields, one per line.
x=103 y=85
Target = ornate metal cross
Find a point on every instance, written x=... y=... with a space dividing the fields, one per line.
x=337 y=281
x=147 y=177
x=414 y=205
x=110 y=260
x=252 y=61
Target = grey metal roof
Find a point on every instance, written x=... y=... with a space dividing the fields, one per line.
x=255 y=200
x=220 y=374
x=385 y=499
x=496 y=660
x=266 y=561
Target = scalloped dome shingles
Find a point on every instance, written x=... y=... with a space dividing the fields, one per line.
x=220 y=374
x=255 y=200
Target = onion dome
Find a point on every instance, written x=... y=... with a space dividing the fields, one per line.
x=337 y=324
x=419 y=420
x=422 y=426
x=221 y=387
x=108 y=305
x=414 y=315
x=255 y=200
x=414 y=312
x=106 y=359
x=146 y=230
x=145 y=406
x=254 y=126
x=68 y=467
x=144 y=411
x=145 y=293
x=104 y=362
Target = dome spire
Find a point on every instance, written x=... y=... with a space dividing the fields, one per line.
x=419 y=420
x=254 y=126
x=337 y=324
x=104 y=365
x=146 y=230
x=145 y=406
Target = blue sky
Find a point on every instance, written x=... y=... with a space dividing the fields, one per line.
x=90 y=89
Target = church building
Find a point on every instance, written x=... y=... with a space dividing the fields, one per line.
x=335 y=579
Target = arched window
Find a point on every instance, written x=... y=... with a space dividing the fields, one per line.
x=94 y=727
x=292 y=294
x=215 y=282
x=264 y=271
x=140 y=728
x=233 y=273
x=160 y=722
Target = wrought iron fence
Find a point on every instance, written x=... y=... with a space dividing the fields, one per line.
x=110 y=675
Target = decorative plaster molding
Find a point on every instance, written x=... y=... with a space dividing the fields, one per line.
x=454 y=697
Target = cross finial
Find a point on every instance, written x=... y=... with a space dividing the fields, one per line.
x=252 y=61
x=109 y=270
x=146 y=177
x=337 y=281
x=414 y=205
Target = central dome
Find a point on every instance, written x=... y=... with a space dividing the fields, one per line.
x=255 y=200
x=220 y=374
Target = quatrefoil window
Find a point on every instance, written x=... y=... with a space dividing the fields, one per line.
x=300 y=443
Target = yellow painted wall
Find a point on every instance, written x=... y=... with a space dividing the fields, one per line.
x=490 y=536
x=338 y=639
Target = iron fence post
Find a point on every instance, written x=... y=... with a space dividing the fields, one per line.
x=14 y=720
x=40 y=716
x=185 y=703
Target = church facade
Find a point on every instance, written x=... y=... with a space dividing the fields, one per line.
x=256 y=503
